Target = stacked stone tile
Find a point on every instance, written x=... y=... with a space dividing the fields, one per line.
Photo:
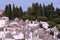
x=26 y=30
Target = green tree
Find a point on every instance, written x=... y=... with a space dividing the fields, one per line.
x=13 y=12
x=33 y=11
x=16 y=12
x=58 y=12
x=9 y=12
x=20 y=12
x=43 y=14
x=40 y=10
x=5 y=13
x=49 y=11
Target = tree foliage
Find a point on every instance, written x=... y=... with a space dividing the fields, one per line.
x=36 y=11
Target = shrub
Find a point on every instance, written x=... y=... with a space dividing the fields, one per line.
x=52 y=24
x=42 y=18
x=57 y=20
x=58 y=26
x=58 y=35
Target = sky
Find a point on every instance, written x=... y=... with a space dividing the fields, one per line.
x=27 y=3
